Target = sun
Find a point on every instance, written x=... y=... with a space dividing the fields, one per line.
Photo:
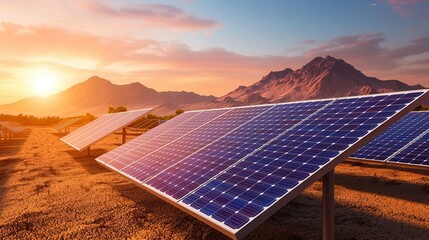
x=44 y=82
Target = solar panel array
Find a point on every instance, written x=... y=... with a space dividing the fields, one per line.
x=405 y=142
x=146 y=124
x=234 y=167
x=86 y=135
x=417 y=153
x=12 y=126
x=65 y=123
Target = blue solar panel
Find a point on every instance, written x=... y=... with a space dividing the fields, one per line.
x=154 y=163
x=131 y=154
x=291 y=158
x=200 y=166
x=395 y=137
x=417 y=153
x=236 y=170
x=167 y=126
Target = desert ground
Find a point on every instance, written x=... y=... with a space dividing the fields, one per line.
x=50 y=191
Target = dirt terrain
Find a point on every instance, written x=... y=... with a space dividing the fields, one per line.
x=50 y=191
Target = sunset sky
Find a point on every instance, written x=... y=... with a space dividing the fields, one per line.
x=209 y=47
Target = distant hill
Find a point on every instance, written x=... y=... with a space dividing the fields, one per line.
x=96 y=94
x=320 y=78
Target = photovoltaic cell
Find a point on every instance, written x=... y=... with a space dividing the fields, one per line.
x=395 y=137
x=132 y=155
x=12 y=126
x=291 y=158
x=120 y=151
x=86 y=135
x=200 y=166
x=415 y=154
x=65 y=123
x=237 y=169
x=191 y=142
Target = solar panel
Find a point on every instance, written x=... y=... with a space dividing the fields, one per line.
x=12 y=126
x=417 y=151
x=395 y=137
x=220 y=153
x=239 y=168
x=146 y=124
x=65 y=123
x=146 y=143
x=86 y=135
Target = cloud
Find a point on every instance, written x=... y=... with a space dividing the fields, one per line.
x=151 y=15
x=367 y=53
x=167 y=65
x=410 y=8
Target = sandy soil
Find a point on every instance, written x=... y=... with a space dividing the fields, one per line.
x=49 y=191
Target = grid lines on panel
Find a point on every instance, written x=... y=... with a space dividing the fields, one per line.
x=395 y=137
x=12 y=126
x=201 y=166
x=235 y=170
x=245 y=190
x=95 y=130
x=65 y=123
x=417 y=153
x=119 y=152
x=133 y=155
x=175 y=152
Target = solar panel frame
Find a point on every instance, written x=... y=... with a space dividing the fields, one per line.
x=419 y=146
x=12 y=126
x=148 y=136
x=394 y=139
x=65 y=123
x=104 y=130
x=250 y=122
x=164 y=140
x=239 y=233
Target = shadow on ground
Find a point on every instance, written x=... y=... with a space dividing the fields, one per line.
x=88 y=162
x=6 y=169
x=299 y=219
x=396 y=167
x=11 y=147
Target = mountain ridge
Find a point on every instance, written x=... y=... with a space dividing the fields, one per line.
x=96 y=94
x=322 y=77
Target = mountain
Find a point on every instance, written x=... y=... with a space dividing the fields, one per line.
x=320 y=78
x=96 y=94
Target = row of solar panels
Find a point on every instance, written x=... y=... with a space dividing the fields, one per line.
x=406 y=142
x=233 y=168
x=66 y=123
x=14 y=127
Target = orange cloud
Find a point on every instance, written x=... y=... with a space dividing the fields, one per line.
x=175 y=66
x=151 y=15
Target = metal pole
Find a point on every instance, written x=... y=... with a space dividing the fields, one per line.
x=88 y=151
x=328 y=205
x=124 y=135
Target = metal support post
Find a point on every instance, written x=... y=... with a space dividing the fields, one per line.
x=328 y=205
x=88 y=151
x=124 y=135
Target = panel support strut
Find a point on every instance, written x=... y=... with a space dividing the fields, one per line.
x=124 y=135
x=88 y=151
x=328 y=205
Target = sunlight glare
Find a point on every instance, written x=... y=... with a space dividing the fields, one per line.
x=44 y=82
